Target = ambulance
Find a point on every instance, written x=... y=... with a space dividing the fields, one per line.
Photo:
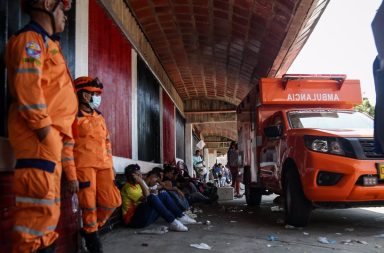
x=300 y=137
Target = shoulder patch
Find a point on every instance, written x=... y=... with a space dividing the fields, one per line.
x=54 y=51
x=33 y=49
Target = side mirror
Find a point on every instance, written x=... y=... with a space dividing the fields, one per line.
x=272 y=131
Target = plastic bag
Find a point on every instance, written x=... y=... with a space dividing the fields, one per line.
x=75 y=203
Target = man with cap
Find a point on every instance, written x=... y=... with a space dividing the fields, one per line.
x=98 y=195
x=40 y=122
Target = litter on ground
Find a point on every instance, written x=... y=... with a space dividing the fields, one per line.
x=325 y=240
x=272 y=238
x=201 y=246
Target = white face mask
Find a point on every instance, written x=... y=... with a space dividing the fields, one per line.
x=95 y=101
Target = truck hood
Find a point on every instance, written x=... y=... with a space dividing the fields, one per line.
x=362 y=133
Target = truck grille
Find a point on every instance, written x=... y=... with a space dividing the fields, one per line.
x=368 y=148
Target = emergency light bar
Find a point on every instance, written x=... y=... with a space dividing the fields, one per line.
x=339 y=78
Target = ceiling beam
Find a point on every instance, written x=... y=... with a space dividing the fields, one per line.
x=209 y=112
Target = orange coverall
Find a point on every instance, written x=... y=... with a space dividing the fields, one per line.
x=43 y=95
x=98 y=195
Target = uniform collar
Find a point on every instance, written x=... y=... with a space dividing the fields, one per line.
x=81 y=114
x=36 y=27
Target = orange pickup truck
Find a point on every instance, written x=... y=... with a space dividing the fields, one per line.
x=300 y=137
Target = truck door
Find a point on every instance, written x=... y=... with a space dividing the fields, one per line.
x=270 y=155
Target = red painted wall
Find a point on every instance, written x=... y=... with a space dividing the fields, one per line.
x=7 y=203
x=169 y=150
x=110 y=61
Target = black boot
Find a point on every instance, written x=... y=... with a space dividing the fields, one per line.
x=50 y=249
x=93 y=243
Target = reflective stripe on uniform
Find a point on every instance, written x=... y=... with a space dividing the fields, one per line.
x=51 y=228
x=32 y=107
x=31 y=231
x=69 y=144
x=28 y=70
x=28 y=230
x=109 y=151
x=37 y=201
x=66 y=159
x=92 y=224
x=89 y=209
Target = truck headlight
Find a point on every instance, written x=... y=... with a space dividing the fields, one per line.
x=320 y=145
x=331 y=145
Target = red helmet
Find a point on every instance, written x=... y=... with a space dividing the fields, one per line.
x=89 y=84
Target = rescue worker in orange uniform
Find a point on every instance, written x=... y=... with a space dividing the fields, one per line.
x=98 y=195
x=40 y=122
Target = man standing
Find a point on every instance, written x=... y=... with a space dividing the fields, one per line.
x=41 y=115
x=233 y=164
x=378 y=74
x=198 y=165
x=98 y=195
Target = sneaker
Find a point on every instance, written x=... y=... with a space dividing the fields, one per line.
x=185 y=219
x=190 y=214
x=176 y=225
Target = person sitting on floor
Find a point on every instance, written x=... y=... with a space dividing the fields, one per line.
x=169 y=183
x=152 y=180
x=141 y=208
x=194 y=190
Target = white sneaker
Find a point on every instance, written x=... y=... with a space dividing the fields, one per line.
x=185 y=219
x=176 y=225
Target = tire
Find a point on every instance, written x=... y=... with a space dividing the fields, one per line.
x=253 y=195
x=297 y=207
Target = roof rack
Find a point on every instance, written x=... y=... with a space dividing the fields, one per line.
x=339 y=78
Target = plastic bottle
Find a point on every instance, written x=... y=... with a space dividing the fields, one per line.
x=75 y=203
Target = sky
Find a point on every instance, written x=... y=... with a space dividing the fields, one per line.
x=342 y=43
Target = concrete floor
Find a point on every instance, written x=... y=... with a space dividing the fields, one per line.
x=237 y=228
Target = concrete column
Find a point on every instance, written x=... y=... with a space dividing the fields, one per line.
x=135 y=150
x=188 y=147
x=206 y=157
x=81 y=42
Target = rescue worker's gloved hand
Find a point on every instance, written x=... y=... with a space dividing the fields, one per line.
x=73 y=186
x=42 y=133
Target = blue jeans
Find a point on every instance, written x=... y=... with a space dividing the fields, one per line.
x=379 y=108
x=155 y=205
x=181 y=202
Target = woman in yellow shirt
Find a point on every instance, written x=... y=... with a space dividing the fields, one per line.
x=141 y=208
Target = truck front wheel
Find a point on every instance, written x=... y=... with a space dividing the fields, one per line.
x=297 y=207
x=253 y=195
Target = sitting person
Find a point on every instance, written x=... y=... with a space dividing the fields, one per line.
x=141 y=208
x=169 y=183
x=194 y=190
x=152 y=180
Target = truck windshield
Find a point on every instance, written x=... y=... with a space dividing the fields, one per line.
x=329 y=120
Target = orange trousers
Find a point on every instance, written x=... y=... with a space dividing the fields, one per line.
x=98 y=196
x=37 y=189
